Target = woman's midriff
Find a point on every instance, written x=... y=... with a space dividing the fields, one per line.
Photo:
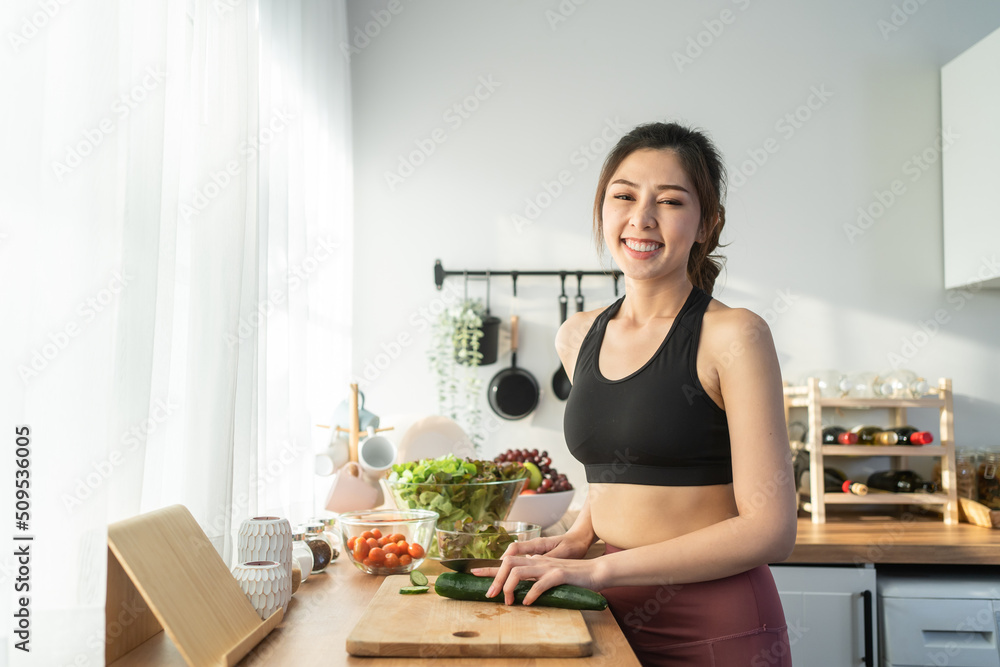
x=634 y=515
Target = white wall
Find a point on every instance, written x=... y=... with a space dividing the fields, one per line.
x=855 y=299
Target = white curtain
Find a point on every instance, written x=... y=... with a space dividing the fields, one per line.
x=178 y=210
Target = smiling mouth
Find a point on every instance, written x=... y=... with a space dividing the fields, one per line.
x=642 y=246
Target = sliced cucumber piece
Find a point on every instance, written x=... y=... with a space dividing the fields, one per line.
x=418 y=578
x=413 y=590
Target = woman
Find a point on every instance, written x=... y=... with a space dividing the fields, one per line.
x=676 y=413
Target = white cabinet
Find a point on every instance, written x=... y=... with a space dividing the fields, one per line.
x=830 y=612
x=970 y=109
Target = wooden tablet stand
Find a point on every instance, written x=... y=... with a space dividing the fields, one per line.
x=164 y=574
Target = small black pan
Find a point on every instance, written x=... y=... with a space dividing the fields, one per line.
x=513 y=392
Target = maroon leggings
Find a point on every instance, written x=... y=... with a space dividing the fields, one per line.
x=736 y=621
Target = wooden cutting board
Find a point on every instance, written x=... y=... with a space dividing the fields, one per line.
x=428 y=626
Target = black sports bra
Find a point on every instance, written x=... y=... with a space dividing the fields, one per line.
x=656 y=426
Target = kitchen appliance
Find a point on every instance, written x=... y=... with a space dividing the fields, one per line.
x=950 y=619
x=430 y=626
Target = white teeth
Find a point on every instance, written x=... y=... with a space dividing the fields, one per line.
x=641 y=247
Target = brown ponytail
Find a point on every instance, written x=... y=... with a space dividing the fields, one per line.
x=702 y=162
x=703 y=267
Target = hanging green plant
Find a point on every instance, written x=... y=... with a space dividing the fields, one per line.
x=454 y=358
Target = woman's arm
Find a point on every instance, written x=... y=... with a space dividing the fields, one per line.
x=574 y=543
x=764 y=530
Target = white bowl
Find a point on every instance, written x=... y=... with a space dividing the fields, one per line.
x=545 y=509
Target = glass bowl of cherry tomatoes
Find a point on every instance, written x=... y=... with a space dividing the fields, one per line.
x=387 y=541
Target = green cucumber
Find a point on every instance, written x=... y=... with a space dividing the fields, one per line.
x=413 y=590
x=460 y=586
x=418 y=578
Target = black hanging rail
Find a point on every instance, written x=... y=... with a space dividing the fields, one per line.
x=440 y=274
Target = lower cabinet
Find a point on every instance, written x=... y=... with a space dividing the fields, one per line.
x=939 y=617
x=831 y=614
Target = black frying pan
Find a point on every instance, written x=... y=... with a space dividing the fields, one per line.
x=513 y=391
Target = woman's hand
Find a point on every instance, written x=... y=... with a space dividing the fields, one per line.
x=567 y=545
x=546 y=572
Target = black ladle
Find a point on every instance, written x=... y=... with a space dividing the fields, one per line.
x=561 y=385
x=579 y=291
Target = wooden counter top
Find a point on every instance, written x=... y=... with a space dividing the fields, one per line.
x=328 y=605
x=912 y=540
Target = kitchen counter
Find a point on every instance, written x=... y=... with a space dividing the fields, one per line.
x=911 y=540
x=326 y=608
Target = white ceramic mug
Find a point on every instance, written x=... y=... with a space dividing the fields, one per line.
x=333 y=457
x=376 y=454
x=349 y=492
x=342 y=416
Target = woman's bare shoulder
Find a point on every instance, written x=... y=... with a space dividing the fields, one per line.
x=726 y=329
x=570 y=336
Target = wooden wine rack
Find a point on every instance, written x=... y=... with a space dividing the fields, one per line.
x=940 y=397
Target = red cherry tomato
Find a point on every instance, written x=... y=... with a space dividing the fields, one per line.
x=416 y=551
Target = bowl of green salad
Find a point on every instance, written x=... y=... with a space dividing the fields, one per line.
x=471 y=539
x=458 y=490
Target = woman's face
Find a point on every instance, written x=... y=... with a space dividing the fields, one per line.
x=651 y=215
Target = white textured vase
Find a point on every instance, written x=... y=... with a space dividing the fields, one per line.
x=265 y=538
x=267 y=585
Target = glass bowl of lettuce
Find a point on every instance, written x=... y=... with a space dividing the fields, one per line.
x=483 y=540
x=458 y=490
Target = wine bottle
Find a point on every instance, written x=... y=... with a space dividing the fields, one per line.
x=875 y=435
x=859 y=385
x=835 y=435
x=835 y=481
x=899 y=481
x=901 y=384
x=911 y=436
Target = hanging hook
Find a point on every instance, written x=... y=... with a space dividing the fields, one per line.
x=465 y=274
x=615 y=276
x=513 y=277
